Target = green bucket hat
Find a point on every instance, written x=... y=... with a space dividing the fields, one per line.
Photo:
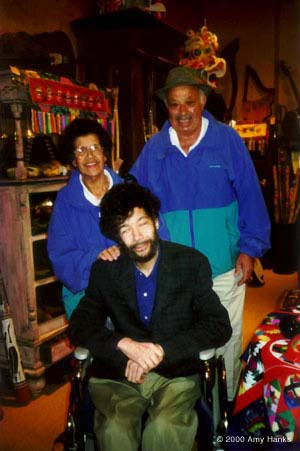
x=184 y=76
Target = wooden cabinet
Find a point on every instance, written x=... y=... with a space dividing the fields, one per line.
x=133 y=51
x=33 y=292
x=32 y=121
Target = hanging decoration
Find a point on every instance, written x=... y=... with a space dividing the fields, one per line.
x=47 y=104
x=56 y=101
x=200 y=53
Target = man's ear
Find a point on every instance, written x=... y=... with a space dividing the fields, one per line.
x=74 y=163
x=157 y=223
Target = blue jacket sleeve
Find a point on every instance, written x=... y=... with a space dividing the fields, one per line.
x=254 y=223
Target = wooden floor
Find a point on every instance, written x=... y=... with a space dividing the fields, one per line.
x=35 y=426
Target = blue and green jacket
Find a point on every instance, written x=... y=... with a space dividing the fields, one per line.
x=211 y=200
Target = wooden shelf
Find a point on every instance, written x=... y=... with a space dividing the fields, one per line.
x=35 y=304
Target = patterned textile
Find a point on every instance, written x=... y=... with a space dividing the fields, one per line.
x=268 y=401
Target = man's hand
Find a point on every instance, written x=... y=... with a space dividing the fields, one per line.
x=146 y=355
x=134 y=372
x=110 y=253
x=244 y=265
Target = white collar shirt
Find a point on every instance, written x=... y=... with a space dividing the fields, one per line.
x=175 y=141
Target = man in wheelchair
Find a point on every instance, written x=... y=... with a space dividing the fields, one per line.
x=159 y=298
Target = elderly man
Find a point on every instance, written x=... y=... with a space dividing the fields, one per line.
x=159 y=297
x=210 y=195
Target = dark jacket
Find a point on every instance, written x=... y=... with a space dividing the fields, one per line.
x=187 y=316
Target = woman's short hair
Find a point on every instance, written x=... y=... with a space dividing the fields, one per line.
x=120 y=201
x=82 y=127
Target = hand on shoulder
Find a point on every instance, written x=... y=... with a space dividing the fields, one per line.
x=109 y=254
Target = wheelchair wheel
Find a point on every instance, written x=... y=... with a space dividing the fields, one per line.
x=76 y=437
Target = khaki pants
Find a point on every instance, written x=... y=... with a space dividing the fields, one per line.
x=232 y=297
x=171 y=424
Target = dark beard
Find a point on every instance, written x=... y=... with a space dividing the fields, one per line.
x=154 y=243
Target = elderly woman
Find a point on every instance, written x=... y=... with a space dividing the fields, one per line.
x=74 y=237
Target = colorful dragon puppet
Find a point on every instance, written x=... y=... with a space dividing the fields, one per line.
x=200 y=53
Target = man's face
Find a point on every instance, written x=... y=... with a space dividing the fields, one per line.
x=138 y=234
x=185 y=105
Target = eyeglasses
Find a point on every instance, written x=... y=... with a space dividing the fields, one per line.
x=83 y=150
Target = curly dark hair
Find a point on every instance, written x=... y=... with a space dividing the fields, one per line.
x=120 y=201
x=82 y=127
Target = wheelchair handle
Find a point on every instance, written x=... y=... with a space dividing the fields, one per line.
x=81 y=353
x=207 y=354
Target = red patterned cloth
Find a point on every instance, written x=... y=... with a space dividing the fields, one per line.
x=45 y=91
x=272 y=374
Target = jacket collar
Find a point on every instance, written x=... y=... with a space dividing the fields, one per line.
x=74 y=190
x=167 y=148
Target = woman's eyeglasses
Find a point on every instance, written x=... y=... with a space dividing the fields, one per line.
x=83 y=150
